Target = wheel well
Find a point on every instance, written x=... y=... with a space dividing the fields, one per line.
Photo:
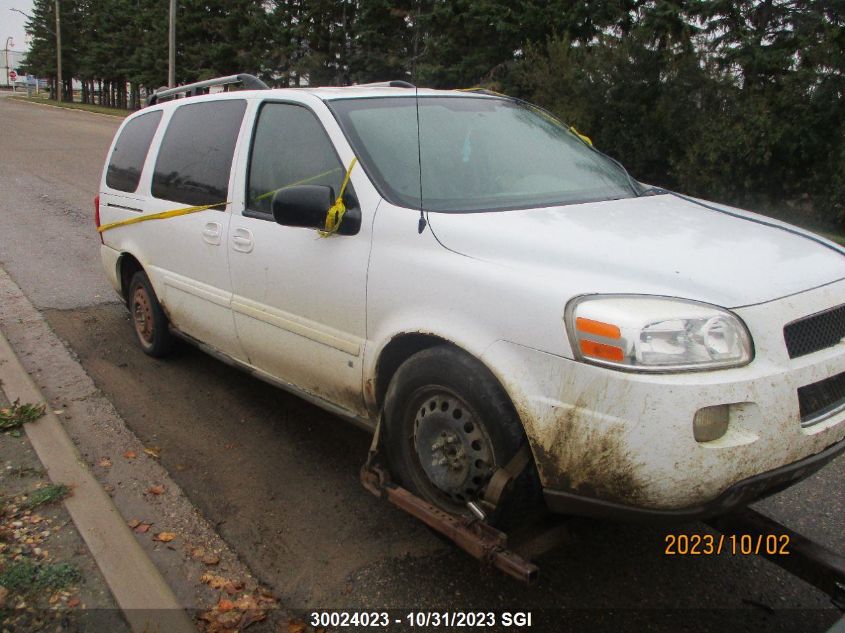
x=397 y=351
x=128 y=266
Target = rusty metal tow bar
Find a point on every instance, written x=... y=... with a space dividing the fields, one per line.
x=471 y=534
x=810 y=561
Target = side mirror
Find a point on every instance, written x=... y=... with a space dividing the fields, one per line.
x=307 y=206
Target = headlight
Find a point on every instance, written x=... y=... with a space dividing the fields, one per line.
x=644 y=333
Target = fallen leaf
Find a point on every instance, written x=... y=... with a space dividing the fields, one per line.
x=156 y=490
x=58 y=411
x=197 y=553
x=73 y=602
x=211 y=559
x=143 y=528
x=130 y=454
x=208 y=616
x=229 y=619
x=225 y=605
x=105 y=462
x=133 y=523
x=251 y=617
x=153 y=451
x=295 y=626
x=215 y=582
x=164 y=537
x=233 y=587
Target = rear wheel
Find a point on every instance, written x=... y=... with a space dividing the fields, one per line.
x=449 y=426
x=152 y=328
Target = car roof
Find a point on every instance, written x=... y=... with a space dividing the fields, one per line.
x=322 y=93
x=357 y=92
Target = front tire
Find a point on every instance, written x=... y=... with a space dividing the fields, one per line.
x=152 y=329
x=448 y=426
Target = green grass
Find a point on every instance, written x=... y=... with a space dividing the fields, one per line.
x=26 y=576
x=118 y=112
x=19 y=414
x=47 y=494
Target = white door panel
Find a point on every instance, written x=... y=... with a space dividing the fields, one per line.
x=299 y=307
x=299 y=300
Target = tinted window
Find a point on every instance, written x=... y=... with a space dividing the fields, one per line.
x=195 y=158
x=290 y=148
x=130 y=152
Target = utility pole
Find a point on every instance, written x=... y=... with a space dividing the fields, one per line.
x=8 y=43
x=171 y=69
x=60 y=88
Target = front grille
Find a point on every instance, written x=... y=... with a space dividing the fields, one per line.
x=821 y=398
x=815 y=332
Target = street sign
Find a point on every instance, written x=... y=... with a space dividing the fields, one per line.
x=13 y=76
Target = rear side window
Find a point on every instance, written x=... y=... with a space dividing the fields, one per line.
x=290 y=147
x=130 y=152
x=195 y=157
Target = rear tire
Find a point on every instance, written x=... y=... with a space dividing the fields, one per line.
x=152 y=328
x=448 y=426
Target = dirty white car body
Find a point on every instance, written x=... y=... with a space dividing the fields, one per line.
x=316 y=316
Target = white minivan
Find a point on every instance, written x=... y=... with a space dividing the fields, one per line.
x=465 y=269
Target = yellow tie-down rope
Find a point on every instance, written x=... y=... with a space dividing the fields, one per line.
x=333 y=216
x=338 y=209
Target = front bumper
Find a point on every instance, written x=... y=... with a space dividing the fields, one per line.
x=740 y=494
x=623 y=440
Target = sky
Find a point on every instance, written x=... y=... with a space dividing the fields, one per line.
x=12 y=23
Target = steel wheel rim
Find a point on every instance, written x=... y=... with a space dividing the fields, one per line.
x=142 y=316
x=450 y=445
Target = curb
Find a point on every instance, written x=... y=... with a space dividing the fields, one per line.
x=50 y=105
x=147 y=602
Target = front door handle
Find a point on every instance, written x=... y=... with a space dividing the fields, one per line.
x=242 y=240
x=212 y=232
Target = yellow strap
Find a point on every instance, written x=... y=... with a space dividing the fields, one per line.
x=334 y=216
x=337 y=207
x=304 y=181
x=160 y=216
x=583 y=137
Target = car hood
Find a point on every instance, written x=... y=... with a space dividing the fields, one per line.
x=662 y=245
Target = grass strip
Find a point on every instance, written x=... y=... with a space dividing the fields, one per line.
x=17 y=415
x=45 y=495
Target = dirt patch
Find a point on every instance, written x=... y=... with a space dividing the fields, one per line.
x=277 y=476
x=591 y=460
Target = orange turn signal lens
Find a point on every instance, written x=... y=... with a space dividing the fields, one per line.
x=598 y=328
x=600 y=350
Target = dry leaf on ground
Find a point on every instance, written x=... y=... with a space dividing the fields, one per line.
x=105 y=462
x=232 y=588
x=295 y=626
x=134 y=523
x=165 y=537
x=213 y=581
x=130 y=454
x=153 y=451
x=156 y=490
x=143 y=528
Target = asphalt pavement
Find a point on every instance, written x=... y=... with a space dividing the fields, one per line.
x=278 y=478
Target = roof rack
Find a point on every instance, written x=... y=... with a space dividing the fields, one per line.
x=396 y=83
x=250 y=82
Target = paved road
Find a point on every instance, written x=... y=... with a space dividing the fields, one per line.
x=278 y=477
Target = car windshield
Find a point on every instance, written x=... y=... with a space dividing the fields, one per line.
x=477 y=154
